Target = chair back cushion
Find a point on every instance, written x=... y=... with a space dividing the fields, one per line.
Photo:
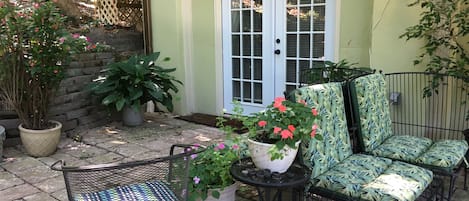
x=371 y=110
x=322 y=155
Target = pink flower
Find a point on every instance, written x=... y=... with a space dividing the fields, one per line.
x=62 y=39
x=36 y=5
x=36 y=29
x=262 y=123
x=193 y=156
x=282 y=108
x=2 y=4
x=286 y=134
x=314 y=111
x=56 y=71
x=291 y=128
x=302 y=102
x=221 y=146
x=196 y=180
x=313 y=132
x=235 y=147
x=278 y=102
x=76 y=36
x=277 y=130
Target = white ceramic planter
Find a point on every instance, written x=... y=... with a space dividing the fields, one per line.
x=40 y=143
x=261 y=157
x=227 y=194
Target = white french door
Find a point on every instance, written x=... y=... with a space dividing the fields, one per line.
x=266 y=44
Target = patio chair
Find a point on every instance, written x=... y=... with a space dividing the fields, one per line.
x=376 y=136
x=160 y=179
x=339 y=174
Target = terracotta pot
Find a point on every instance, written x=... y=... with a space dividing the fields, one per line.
x=41 y=143
x=261 y=157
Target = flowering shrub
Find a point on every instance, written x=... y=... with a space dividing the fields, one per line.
x=34 y=46
x=211 y=169
x=283 y=123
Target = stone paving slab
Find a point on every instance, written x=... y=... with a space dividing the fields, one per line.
x=27 y=178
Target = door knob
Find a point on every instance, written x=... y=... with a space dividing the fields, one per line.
x=277 y=51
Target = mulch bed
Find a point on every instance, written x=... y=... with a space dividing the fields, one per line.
x=211 y=120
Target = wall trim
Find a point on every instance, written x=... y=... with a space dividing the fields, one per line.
x=338 y=14
x=218 y=56
x=188 y=45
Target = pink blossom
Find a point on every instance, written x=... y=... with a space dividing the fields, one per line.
x=286 y=134
x=278 y=102
x=193 y=156
x=62 y=39
x=313 y=132
x=282 y=108
x=36 y=5
x=277 y=130
x=314 y=111
x=262 y=123
x=75 y=35
x=235 y=147
x=302 y=102
x=291 y=128
x=196 y=180
x=221 y=146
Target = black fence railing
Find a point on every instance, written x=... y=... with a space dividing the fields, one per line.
x=428 y=105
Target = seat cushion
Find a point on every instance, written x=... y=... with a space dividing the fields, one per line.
x=148 y=191
x=444 y=153
x=401 y=181
x=403 y=147
x=349 y=177
x=371 y=109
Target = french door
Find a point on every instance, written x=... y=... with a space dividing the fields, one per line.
x=267 y=43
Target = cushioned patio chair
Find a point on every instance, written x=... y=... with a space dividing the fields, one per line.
x=376 y=137
x=339 y=174
x=160 y=179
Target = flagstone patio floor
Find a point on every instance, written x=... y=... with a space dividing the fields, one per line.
x=27 y=178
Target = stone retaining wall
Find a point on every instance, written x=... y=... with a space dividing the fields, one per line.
x=73 y=105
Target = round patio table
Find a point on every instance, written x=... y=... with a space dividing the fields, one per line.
x=294 y=178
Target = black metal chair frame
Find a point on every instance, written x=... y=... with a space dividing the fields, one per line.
x=185 y=151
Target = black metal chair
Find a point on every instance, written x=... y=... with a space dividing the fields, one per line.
x=164 y=178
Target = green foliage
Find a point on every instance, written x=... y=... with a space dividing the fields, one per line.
x=34 y=46
x=210 y=169
x=329 y=71
x=444 y=27
x=136 y=81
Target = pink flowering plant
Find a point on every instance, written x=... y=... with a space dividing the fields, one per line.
x=283 y=123
x=210 y=169
x=34 y=48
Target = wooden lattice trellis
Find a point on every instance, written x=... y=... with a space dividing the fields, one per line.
x=120 y=12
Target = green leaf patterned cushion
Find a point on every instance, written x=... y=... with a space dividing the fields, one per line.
x=335 y=146
x=402 y=147
x=371 y=109
x=401 y=181
x=444 y=154
x=374 y=178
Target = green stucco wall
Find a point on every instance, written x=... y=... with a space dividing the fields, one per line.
x=171 y=38
x=388 y=52
x=355 y=31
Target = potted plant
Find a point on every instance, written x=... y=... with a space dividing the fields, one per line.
x=34 y=46
x=276 y=132
x=210 y=172
x=128 y=84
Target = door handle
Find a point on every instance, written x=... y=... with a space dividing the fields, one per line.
x=277 y=51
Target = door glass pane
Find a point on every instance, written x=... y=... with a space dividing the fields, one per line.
x=304 y=37
x=236 y=68
x=247 y=46
x=235 y=45
x=305 y=18
x=319 y=16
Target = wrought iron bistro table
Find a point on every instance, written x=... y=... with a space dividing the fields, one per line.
x=296 y=176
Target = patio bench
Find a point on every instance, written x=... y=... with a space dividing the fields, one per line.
x=339 y=174
x=159 y=179
x=375 y=133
